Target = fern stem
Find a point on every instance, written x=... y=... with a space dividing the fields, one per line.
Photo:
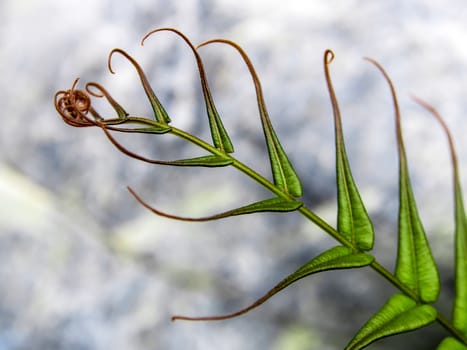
x=235 y=162
x=443 y=321
x=317 y=220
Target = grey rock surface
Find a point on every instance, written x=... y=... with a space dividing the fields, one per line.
x=83 y=266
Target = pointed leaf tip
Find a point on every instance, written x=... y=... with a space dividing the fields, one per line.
x=338 y=257
x=353 y=221
x=283 y=172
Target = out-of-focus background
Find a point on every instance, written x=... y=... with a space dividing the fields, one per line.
x=83 y=266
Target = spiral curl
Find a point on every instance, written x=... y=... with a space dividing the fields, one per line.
x=73 y=105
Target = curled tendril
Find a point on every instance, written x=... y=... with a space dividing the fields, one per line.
x=102 y=92
x=328 y=56
x=445 y=127
x=73 y=105
x=159 y=111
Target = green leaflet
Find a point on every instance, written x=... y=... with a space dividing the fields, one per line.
x=353 y=221
x=267 y=205
x=204 y=161
x=283 y=172
x=159 y=112
x=415 y=264
x=152 y=127
x=219 y=135
x=149 y=130
x=338 y=257
x=460 y=300
x=400 y=314
x=451 y=343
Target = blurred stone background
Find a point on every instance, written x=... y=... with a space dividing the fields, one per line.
x=83 y=266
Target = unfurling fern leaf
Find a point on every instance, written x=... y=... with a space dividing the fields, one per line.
x=416 y=275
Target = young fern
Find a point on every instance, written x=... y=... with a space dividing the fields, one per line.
x=416 y=275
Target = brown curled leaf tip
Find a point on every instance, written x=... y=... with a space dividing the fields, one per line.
x=102 y=92
x=166 y=29
x=73 y=105
x=159 y=111
x=123 y=53
x=329 y=56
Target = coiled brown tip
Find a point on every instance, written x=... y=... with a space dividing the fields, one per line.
x=73 y=106
x=328 y=56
